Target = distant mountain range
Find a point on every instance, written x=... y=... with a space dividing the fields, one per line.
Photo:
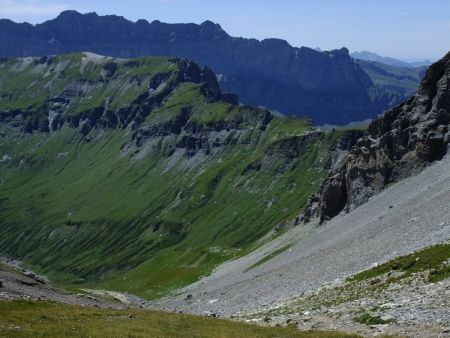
x=328 y=86
x=369 y=56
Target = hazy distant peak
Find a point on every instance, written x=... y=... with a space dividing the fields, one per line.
x=370 y=56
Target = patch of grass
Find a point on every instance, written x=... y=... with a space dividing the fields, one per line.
x=431 y=258
x=269 y=257
x=29 y=86
x=30 y=319
x=288 y=127
x=368 y=319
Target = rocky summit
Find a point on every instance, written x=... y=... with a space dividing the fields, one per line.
x=329 y=86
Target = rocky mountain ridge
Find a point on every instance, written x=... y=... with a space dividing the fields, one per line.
x=401 y=142
x=370 y=56
x=59 y=99
x=328 y=86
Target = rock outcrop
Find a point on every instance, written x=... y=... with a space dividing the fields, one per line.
x=328 y=86
x=396 y=145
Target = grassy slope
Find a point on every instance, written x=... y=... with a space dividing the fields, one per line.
x=28 y=319
x=86 y=213
x=269 y=257
x=433 y=258
x=28 y=83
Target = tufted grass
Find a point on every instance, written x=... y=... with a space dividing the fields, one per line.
x=31 y=319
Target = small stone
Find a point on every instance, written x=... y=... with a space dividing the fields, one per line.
x=387 y=318
x=210 y=314
x=130 y=316
x=188 y=297
x=375 y=281
x=30 y=274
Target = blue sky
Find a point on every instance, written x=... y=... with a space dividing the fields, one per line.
x=399 y=28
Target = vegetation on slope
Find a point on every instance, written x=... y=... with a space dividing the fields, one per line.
x=30 y=319
x=434 y=259
x=269 y=256
x=155 y=192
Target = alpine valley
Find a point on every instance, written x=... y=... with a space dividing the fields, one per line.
x=141 y=174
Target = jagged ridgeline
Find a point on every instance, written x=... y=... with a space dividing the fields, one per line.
x=140 y=175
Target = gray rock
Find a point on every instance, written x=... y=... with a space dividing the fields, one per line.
x=92 y=298
x=401 y=142
x=210 y=314
x=387 y=318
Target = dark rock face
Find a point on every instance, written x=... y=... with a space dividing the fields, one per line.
x=328 y=86
x=399 y=143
